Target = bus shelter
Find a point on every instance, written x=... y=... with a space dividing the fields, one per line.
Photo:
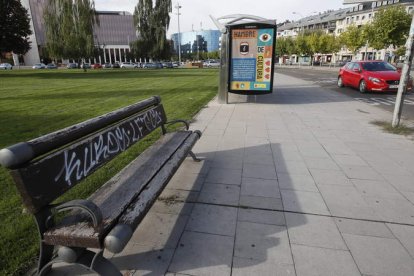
x=247 y=55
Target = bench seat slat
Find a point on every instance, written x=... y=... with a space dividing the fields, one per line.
x=126 y=185
x=140 y=206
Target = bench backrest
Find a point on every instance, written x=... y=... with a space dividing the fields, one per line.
x=46 y=167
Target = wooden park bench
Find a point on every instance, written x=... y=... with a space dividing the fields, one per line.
x=45 y=168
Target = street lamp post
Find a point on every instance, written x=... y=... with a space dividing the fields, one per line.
x=178 y=7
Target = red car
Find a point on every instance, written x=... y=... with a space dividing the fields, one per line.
x=96 y=66
x=375 y=76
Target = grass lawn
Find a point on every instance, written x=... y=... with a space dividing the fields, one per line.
x=33 y=103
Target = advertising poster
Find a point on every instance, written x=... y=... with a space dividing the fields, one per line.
x=251 y=60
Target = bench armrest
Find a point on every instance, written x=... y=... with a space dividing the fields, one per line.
x=85 y=205
x=187 y=125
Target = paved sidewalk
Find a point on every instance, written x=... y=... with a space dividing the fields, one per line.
x=295 y=183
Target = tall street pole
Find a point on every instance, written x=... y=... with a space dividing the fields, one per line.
x=178 y=7
x=405 y=76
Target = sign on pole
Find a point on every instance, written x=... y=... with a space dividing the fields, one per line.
x=251 y=60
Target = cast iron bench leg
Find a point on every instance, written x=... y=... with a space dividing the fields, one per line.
x=94 y=261
x=194 y=156
x=46 y=250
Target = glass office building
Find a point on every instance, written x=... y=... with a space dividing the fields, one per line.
x=204 y=41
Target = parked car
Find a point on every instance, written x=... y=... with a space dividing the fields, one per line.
x=343 y=62
x=167 y=64
x=152 y=65
x=51 y=66
x=211 y=63
x=39 y=66
x=6 y=66
x=175 y=65
x=129 y=65
x=86 y=66
x=316 y=63
x=96 y=66
x=149 y=65
x=115 y=65
x=107 y=65
x=376 y=76
x=72 y=66
x=158 y=65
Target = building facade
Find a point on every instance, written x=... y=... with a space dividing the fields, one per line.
x=336 y=22
x=112 y=36
x=205 y=41
x=361 y=14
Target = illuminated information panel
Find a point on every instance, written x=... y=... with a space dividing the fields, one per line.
x=251 y=58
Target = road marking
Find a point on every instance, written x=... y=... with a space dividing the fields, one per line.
x=367 y=101
x=384 y=101
x=409 y=102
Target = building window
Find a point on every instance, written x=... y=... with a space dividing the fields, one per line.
x=384 y=3
x=347 y=20
x=390 y=2
x=360 y=7
x=363 y=17
x=379 y=4
x=357 y=18
x=374 y=4
x=396 y=1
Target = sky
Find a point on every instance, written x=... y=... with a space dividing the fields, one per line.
x=195 y=13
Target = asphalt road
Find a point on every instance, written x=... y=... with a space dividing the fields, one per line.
x=328 y=78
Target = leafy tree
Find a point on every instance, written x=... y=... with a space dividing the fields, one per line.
x=389 y=27
x=140 y=48
x=152 y=23
x=328 y=44
x=314 y=43
x=353 y=38
x=209 y=55
x=290 y=46
x=400 y=51
x=281 y=46
x=285 y=46
x=14 y=27
x=301 y=45
x=214 y=55
x=69 y=28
